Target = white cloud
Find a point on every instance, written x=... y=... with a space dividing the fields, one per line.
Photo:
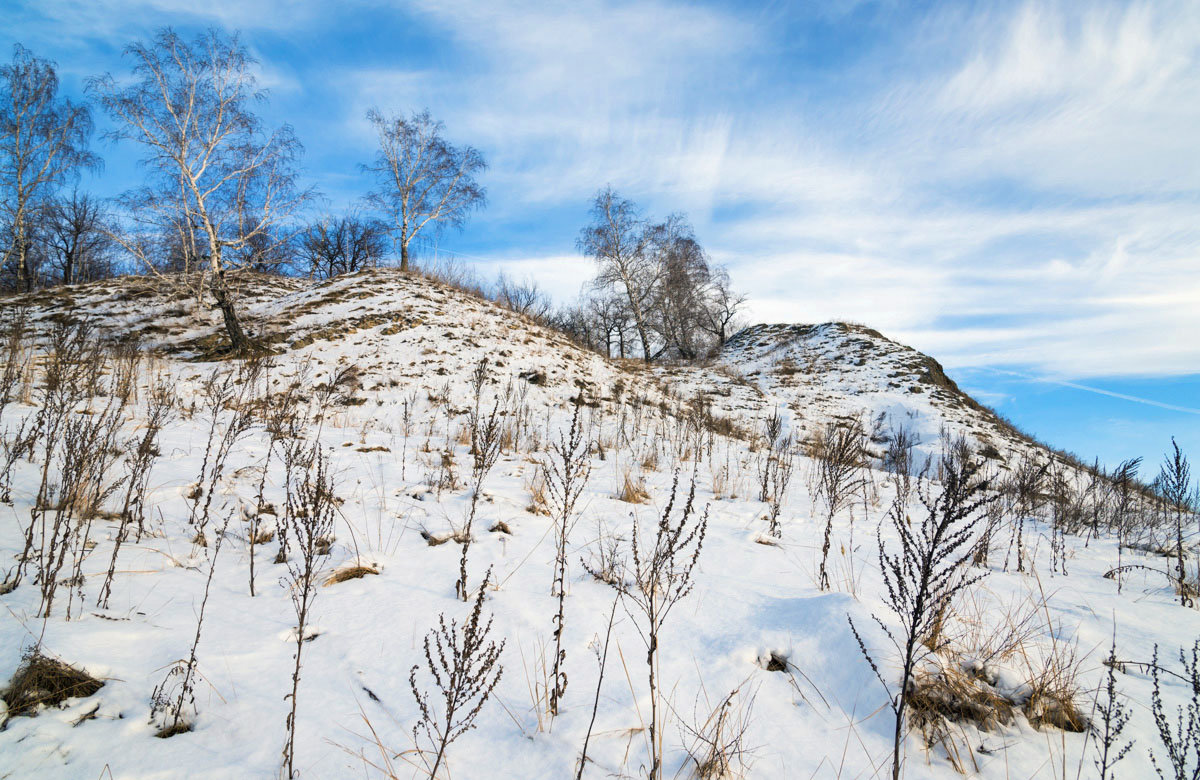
x=568 y=97
x=1093 y=98
x=884 y=210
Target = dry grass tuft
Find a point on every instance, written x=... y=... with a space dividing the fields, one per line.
x=720 y=482
x=44 y=680
x=953 y=695
x=537 y=494
x=719 y=750
x=436 y=540
x=352 y=572
x=1054 y=689
x=960 y=685
x=181 y=726
x=1189 y=590
x=633 y=489
x=1058 y=712
x=604 y=561
x=264 y=536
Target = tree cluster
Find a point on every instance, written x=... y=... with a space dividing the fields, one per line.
x=46 y=236
x=656 y=293
x=222 y=191
x=222 y=194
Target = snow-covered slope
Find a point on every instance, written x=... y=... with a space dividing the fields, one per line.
x=409 y=330
x=386 y=364
x=819 y=369
x=398 y=331
x=817 y=375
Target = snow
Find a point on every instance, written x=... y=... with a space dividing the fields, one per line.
x=412 y=340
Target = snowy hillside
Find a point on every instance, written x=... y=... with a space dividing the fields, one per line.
x=816 y=374
x=161 y=486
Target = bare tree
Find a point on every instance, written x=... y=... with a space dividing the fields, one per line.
x=268 y=251
x=43 y=142
x=575 y=321
x=609 y=321
x=425 y=183
x=619 y=242
x=216 y=176
x=75 y=234
x=343 y=244
x=522 y=297
x=680 y=298
x=159 y=237
x=723 y=309
x=656 y=279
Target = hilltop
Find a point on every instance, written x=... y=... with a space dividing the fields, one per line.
x=394 y=327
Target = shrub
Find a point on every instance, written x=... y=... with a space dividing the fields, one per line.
x=465 y=666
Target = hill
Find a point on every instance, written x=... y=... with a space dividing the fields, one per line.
x=159 y=500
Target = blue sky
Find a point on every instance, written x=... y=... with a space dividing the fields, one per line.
x=1011 y=187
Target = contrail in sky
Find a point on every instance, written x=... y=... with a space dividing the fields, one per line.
x=1100 y=391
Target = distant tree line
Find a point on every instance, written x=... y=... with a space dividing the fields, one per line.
x=222 y=193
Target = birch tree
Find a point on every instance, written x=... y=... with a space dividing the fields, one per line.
x=43 y=142
x=620 y=243
x=681 y=297
x=424 y=183
x=216 y=175
x=655 y=279
x=722 y=314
